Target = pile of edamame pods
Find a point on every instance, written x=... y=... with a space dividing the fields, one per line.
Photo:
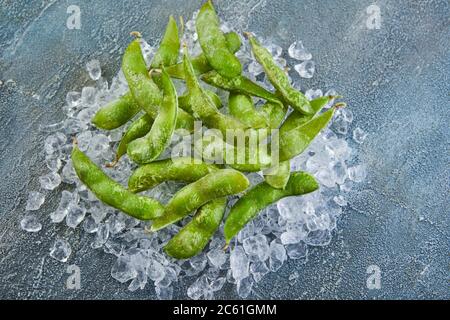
x=208 y=185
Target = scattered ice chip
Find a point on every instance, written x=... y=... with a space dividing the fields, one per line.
x=199 y=288
x=84 y=140
x=312 y=94
x=122 y=270
x=218 y=283
x=256 y=247
x=340 y=125
x=53 y=164
x=239 y=263
x=75 y=215
x=35 y=201
x=275 y=50
x=347 y=114
x=30 y=223
x=277 y=256
x=73 y=98
x=101 y=236
x=88 y=95
x=54 y=142
x=50 y=181
x=217 y=257
x=297 y=250
x=306 y=69
x=359 y=135
x=94 y=69
x=244 y=287
x=357 y=173
x=340 y=200
x=164 y=293
x=298 y=52
x=98 y=145
x=68 y=173
x=255 y=68
x=340 y=172
x=258 y=269
x=319 y=238
x=61 y=250
x=89 y=225
x=326 y=177
x=291 y=237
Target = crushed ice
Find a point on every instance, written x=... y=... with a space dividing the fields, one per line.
x=281 y=231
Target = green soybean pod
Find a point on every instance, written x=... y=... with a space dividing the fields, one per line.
x=169 y=48
x=214 y=185
x=200 y=63
x=195 y=235
x=213 y=43
x=278 y=78
x=239 y=84
x=148 y=148
x=278 y=176
x=144 y=90
x=274 y=113
x=241 y=106
x=295 y=141
x=296 y=119
x=111 y=192
x=116 y=113
x=202 y=105
x=261 y=196
x=179 y=169
x=184 y=101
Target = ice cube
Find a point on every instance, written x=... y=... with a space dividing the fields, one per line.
x=275 y=50
x=89 y=225
x=61 y=250
x=357 y=173
x=53 y=164
x=218 y=283
x=297 y=250
x=254 y=68
x=73 y=98
x=198 y=288
x=101 y=236
x=244 y=287
x=298 y=52
x=319 y=238
x=340 y=200
x=217 y=257
x=239 y=263
x=359 y=135
x=306 y=69
x=340 y=172
x=75 y=215
x=94 y=69
x=84 y=139
x=164 y=293
x=155 y=270
x=258 y=269
x=50 y=181
x=30 y=223
x=122 y=270
x=68 y=173
x=256 y=247
x=277 y=256
x=35 y=201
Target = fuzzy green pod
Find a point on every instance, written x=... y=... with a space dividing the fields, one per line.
x=200 y=63
x=148 y=148
x=213 y=43
x=278 y=78
x=195 y=235
x=111 y=192
x=278 y=176
x=215 y=185
x=169 y=48
x=180 y=169
x=241 y=106
x=261 y=196
x=116 y=113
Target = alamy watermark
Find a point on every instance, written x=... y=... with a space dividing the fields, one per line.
x=374 y=19
x=374 y=279
x=73 y=282
x=74 y=20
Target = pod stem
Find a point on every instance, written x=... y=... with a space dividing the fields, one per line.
x=113 y=163
x=136 y=34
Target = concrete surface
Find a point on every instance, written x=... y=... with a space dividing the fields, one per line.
x=395 y=79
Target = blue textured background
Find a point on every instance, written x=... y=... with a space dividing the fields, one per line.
x=396 y=81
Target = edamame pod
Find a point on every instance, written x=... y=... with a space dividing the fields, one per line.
x=202 y=105
x=148 y=148
x=169 y=48
x=213 y=43
x=239 y=84
x=215 y=185
x=195 y=235
x=200 y=63
x=295 y=141
x=296 y=119
x=184 y=101
x=116 y=113
x=274 y=113
x=241 y=106
x=262 y=195
x=278 y=176
x=278 y=78
x=111 y=192
x=144 y=90
x=180 y=169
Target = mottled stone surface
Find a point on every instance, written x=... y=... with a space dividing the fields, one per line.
x=395 y=79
